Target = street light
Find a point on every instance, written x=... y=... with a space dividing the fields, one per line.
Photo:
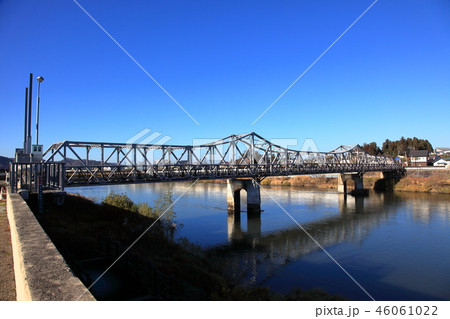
x=39 y=79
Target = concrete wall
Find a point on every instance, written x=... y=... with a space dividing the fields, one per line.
x=41 y=272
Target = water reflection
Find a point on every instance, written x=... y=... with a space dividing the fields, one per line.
x=425 y=208
x=356 y=218
x=396 y=245
x=235 y=232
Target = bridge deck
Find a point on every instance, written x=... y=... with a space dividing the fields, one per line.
x=79 y=175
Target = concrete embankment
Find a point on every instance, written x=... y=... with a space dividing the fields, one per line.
x=41 y=272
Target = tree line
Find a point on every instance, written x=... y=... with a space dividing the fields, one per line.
x=399 y=147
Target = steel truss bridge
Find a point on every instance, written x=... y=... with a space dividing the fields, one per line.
x=236 y=156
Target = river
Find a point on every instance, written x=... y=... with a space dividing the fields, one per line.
x=395 y=245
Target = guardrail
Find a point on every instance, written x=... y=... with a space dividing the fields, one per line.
x=30 y=176
x=83 y=175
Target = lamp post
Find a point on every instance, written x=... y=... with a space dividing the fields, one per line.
x=40 y=79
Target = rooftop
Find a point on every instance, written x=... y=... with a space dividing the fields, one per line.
x=418 y=153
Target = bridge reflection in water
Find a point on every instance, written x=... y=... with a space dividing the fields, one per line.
x=357 y=217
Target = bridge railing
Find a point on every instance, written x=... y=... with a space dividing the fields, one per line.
x=29 y=176
x=146 y=173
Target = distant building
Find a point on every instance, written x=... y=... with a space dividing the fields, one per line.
x=443 y=162
x=442 y=151
x=418 y=158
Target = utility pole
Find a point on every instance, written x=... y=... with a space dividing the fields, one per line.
x=40 y=79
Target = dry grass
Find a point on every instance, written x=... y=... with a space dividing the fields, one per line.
x=302 y=181
x=436 y=183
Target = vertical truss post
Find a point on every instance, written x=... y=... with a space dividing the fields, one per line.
x=12 y=177
x=62 y=177
x=287 y=159
x=233 y=152
x=189 y=155
x=169 y=151
x=145 y=160
x=252 y=149
x=211 y=155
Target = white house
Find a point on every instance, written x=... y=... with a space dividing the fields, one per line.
x=442 y=163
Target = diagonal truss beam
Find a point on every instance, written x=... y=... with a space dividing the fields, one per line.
x=244 y=155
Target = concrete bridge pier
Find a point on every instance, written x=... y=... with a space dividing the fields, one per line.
x=357 y=179
x=387 y=181
x=234 y=187
x=253 y=197
x=234 y=194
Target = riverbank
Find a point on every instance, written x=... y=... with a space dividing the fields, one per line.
x=419 y=181
x=319 y=181
x=307 y=181
x=425 y=181
x=157 y=267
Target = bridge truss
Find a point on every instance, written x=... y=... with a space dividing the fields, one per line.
x=245 y=155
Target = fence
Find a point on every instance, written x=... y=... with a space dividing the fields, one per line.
x=29 y=176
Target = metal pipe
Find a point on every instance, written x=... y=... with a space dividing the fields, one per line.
x=26 y=122
x=39 y=79
x=29 y=112
x=37 y=114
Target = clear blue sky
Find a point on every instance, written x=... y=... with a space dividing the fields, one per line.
x=226 y=62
